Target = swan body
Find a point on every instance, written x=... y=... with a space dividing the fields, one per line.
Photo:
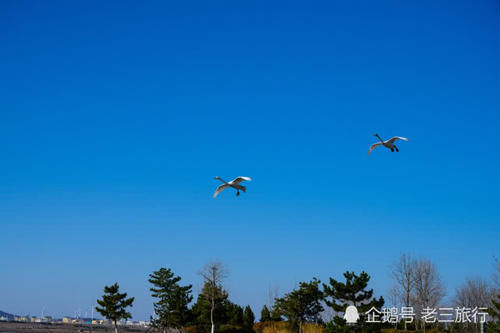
x=235 y=183
x=388 y=143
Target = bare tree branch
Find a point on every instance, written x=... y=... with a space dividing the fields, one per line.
x=428 y=288
x=403 y=276
x=475 y=292
x=213 y=274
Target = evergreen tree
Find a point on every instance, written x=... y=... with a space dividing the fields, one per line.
x=248 y=317
x=275 y=314
x=202 y=309
x=494 y=312
x=265 y=315
x=302 y=305
x=171 y=307
x=339 y=295
x=114 y=305
x=234 y=313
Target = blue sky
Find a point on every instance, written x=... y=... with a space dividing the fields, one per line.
x=116 y=116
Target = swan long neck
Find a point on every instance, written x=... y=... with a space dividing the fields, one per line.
x=379 y=138
x=222 y=180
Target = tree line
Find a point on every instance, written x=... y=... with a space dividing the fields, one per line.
x=417 y=284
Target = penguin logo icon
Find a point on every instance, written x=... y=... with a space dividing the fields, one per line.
x=351 y=315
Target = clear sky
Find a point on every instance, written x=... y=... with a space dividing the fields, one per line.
x=116 y=116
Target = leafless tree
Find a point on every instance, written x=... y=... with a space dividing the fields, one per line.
x=403 y=275
x=395 y=300
x=273 y=294
x=213 y=274
x=428 y=289
x=475 y=292
x=395 y=296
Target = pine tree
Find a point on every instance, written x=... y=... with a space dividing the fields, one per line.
x=302 y=304
x=114 y=305
x=494 y=312
x=234 y=313
x=339 y=295
x=265 y=315
x=171 y=307
x=248 y=317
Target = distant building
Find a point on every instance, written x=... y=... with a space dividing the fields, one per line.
x=66 y=320
x=22 y=319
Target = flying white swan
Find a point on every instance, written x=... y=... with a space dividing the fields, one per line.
x=235 y=183
x=388 y=144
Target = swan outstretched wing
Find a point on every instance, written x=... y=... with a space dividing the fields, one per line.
x=373 y=146
x=220 y=189
x=239 y=180
x=391 y=140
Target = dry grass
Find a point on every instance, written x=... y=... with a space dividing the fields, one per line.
x=284 y=327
